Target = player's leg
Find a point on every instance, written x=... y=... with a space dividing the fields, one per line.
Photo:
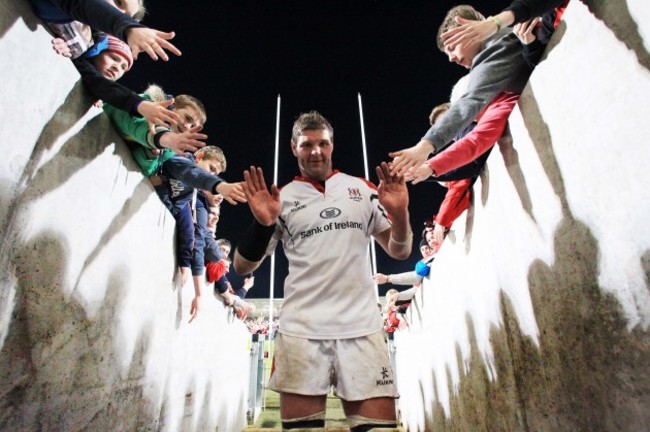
x=301 y=373
x=301 y=412
x=365 y=383
x=376 y=414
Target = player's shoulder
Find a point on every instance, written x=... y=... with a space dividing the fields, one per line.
x=354 y=180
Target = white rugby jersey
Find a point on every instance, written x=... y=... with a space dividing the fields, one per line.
x=329 y=292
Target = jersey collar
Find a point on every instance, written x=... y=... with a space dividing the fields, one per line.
x=317 y=185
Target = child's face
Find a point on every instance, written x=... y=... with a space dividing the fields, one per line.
x=112 y=66
x=210 y=165
x=129 y=7
x=463 y=53
x=213 y=218
x=218 y=199
x=430 y=240
x=225 y=249
x=190 y=119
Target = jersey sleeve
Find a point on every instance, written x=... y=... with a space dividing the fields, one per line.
x=133 y=128
x=456 y=201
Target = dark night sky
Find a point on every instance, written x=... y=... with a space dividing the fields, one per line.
x=238 y=55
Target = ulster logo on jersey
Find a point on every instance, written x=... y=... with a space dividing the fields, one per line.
x=354 y=194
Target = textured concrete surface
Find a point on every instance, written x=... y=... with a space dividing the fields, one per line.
x=536 y=313
x=94 y=330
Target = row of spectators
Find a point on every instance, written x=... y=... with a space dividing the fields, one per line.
x=103 y=38
x=465 y=129
x=260 y=325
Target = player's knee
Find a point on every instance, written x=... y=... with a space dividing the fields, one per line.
x=311 y=423
x=365 y=424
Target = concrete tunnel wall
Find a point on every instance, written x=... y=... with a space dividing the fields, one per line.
x=535 y=315
x=535 y=318
x=94 y=331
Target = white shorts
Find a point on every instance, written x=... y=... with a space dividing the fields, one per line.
x=357 y=368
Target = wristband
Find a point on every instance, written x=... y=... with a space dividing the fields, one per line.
x=156 y=139
x=135 y=111
x=254 y=242
x=214 y=188
x=496 y=21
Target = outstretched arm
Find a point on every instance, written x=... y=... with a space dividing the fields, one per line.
x=455 y=203
x=108 y=91
x=264 y=203
x=523 y=10
x=191 y=175
x=151 y=41
x=265 y=206
x=380 y=278
x=533 y=48
x=475 y=32
x=157 y=113
x=519 y=11
x=243 y=265
x=102 y=16
x=99 y=15
x=488 y=130
x=190 y=140
x=231 y=192
x=393 y=196
x=195 y=306
x=410 y=158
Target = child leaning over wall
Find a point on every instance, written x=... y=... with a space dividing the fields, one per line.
x=65 y=17
x=196 y=175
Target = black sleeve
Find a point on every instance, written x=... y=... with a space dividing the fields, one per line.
x=241 y=293
x=99 y=15
x=108 y=91
x=252 y=245
x=186 y=171
x=527 y=9
x=533 y=52
x=221 y=286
